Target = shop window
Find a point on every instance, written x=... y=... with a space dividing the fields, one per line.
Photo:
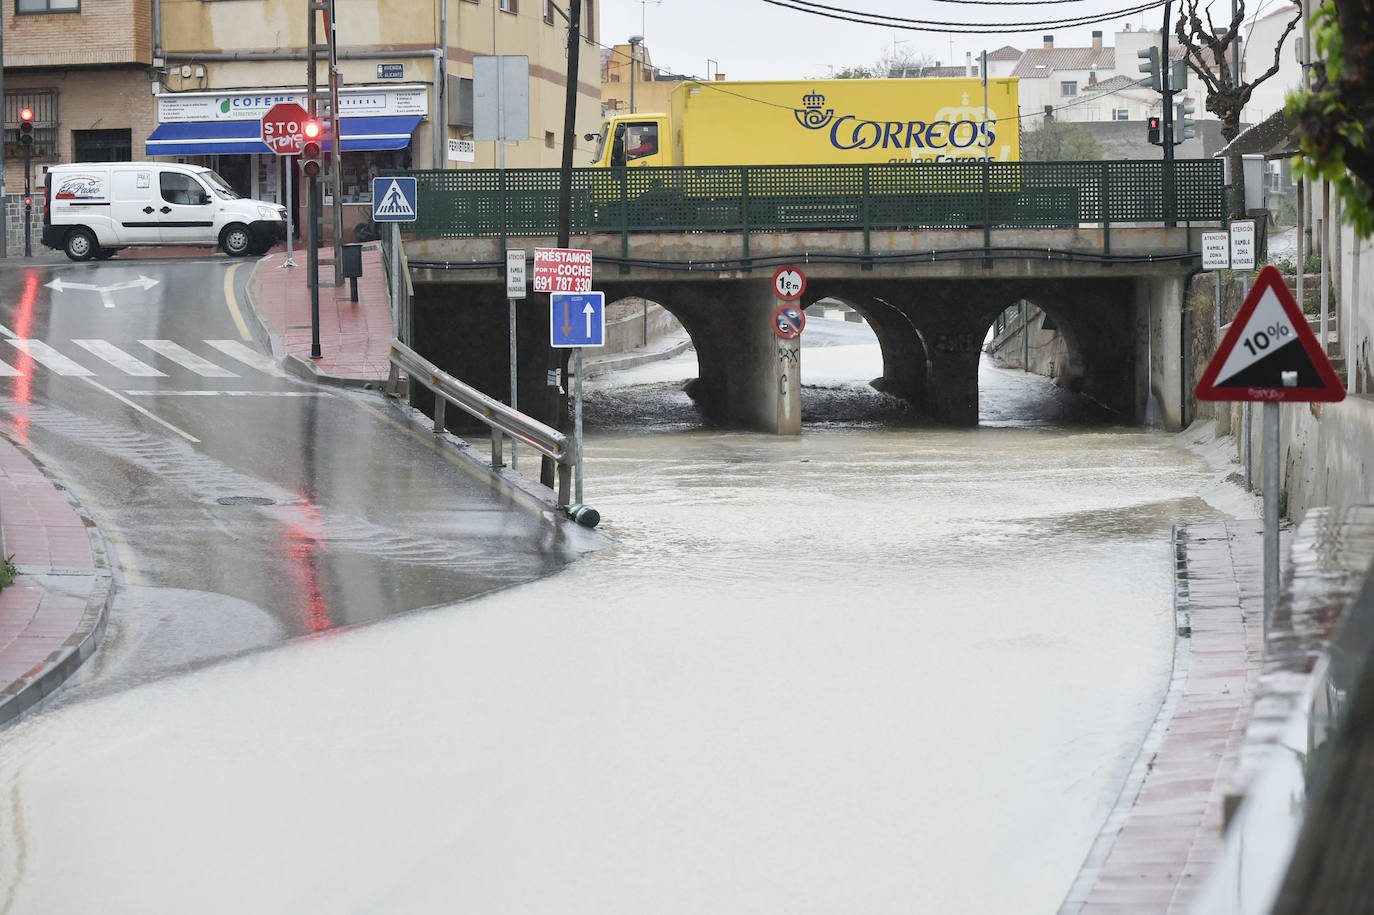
x=23 y=7
x=102 y=146
x=359 y=168
x=43 y=103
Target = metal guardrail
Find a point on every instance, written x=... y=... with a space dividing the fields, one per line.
x=502 y=420
x=745 y=199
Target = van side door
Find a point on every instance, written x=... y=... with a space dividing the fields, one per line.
x=134 y=206
x=187 y=210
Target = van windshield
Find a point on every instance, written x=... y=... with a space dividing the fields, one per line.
x=220 y=186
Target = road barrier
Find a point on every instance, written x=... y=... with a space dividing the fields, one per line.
x=502 y=420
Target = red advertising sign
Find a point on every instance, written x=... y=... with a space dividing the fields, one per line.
x=562 y=270
x=282 y=128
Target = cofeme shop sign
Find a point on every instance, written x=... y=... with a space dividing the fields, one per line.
x=368 y=101
x=562 y=270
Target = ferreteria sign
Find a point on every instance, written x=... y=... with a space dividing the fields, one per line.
x=251 y=105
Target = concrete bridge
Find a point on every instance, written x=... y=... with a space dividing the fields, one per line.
x=930 y=296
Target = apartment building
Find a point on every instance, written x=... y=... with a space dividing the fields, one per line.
x=189 y=80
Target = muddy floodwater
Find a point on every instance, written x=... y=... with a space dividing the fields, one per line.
x=872 y=668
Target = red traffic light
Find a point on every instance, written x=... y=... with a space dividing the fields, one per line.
x=310 y=130
x=1152 y=130
x=26 y=114
x=26 y=127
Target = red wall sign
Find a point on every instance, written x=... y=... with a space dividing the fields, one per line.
x=562 y=270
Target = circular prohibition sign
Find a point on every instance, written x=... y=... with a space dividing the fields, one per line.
x=789 y=283
x=788 y=322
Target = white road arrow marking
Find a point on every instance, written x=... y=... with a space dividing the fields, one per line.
x=143 y=282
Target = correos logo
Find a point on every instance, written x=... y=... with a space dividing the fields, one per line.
x=962 y=138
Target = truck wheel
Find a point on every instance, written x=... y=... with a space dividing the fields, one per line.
x=80 y=244
x=236 y=240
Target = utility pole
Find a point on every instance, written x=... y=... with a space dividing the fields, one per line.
x=1166 y=83
x=312 y=184
x=558 y=359
x=634 y=65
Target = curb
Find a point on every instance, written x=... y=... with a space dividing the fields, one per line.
x=31 y=689
x=52 y=672
x=1091 y=869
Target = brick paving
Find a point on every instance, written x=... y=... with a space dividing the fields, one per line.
x=355 y=337
x=53 y=615
x=1159 y=844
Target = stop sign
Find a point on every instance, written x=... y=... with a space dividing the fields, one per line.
x=281 y=128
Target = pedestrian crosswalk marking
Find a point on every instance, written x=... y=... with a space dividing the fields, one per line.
x=48 y=357
x=187 y=359
x=249 y=356
x=119 y=359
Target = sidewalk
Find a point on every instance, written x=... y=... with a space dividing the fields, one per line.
x=52 y=616
x=355 y=337
x=1158 y=845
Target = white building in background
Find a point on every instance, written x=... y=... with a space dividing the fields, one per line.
x=1257 y=56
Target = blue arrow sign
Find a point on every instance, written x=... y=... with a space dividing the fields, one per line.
x=394 y=200
x=577 y=319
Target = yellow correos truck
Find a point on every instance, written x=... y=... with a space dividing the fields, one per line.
x=828 y=121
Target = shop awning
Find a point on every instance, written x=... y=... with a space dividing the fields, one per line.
x=212 y=138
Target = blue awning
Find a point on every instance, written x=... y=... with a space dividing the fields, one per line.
x=212 y=138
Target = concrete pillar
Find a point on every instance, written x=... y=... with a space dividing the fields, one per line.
x=1159 y=348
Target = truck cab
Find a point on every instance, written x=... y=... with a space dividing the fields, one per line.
x=634 y=140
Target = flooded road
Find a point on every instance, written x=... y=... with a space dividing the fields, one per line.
x=873 y=668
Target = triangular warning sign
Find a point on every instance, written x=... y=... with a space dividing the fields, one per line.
x=1270 y=354
x=394 y=203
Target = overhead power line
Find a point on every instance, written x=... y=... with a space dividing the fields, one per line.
x=921 y=25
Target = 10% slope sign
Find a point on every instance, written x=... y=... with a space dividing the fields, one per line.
x=1260 y=339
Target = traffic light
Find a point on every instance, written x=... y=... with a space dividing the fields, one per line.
x=1151 y=66
x=312 y=151
x=26 y=127
x=1184 y=125
x=1152 y=131
x=1180 y=80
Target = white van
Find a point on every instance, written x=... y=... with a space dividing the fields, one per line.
x=93 y=209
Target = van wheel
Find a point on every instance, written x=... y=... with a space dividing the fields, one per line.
x=80 y=244
x=236 y=240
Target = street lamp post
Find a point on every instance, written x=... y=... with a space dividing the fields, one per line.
x=634 y=45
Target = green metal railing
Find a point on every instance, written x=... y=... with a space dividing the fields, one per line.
x=745 y=199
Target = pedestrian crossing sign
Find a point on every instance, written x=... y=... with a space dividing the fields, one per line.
x=1270 y=353
x=394 y=200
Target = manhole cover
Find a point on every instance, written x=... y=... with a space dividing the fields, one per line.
x=245 y=500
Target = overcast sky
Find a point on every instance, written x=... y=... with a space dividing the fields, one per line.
x=751 y=39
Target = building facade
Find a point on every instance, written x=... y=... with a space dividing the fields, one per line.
x=189 y=80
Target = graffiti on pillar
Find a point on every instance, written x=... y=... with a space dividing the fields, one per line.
x=956 y=343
